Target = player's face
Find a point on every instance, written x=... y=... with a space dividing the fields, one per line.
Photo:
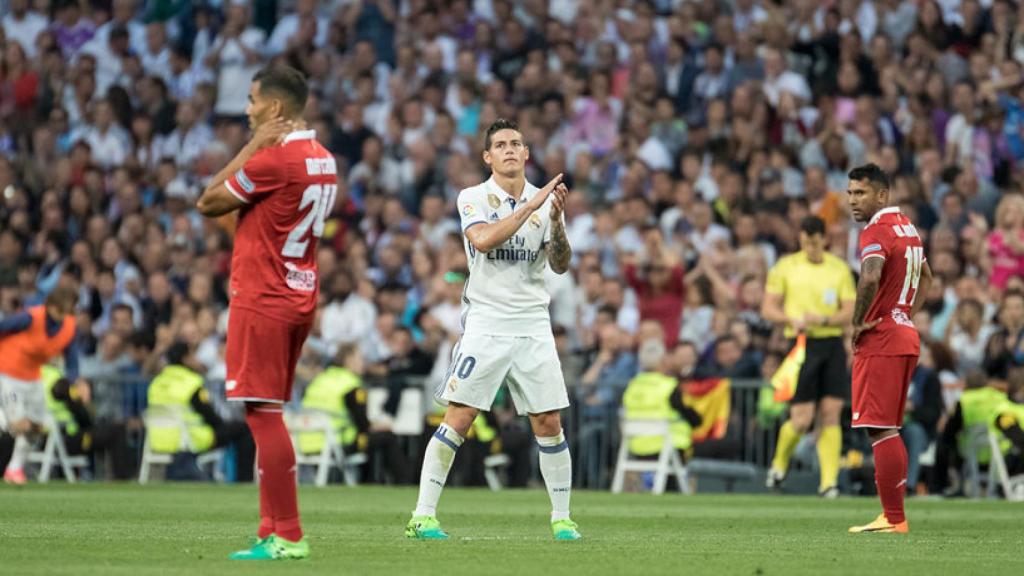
x=260 y=109
x=864 y=200
x=508 y=154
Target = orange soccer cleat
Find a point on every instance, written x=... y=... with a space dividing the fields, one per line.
x=881 y=524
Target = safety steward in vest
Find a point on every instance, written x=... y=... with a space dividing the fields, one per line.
x=29 y=340
x=650 y=395
x=977 y=405
x=179 y=385
x=339 y=391
x=1008 y=424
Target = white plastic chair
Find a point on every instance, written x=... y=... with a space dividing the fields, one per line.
x=668 y=461
x=492 y=464
x=331 y=454
x=171 y=417
x=55 y=452
x=976 y=441
x=408 y=420
x=1013 y=486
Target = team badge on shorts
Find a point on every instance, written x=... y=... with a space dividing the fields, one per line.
x=493 y=200
x=452 y=385
x=535 y=221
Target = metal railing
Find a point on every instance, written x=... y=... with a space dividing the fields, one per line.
x=591 y=427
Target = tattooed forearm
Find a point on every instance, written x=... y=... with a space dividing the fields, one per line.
x=559 y=251
x=865 y=295
x=867 y=287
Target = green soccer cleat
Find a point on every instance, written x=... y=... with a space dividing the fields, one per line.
x=425 y=528
x=274 y=548
x=565 y=530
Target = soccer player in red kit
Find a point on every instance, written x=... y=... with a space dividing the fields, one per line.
x=894 y=277
x=283 y=184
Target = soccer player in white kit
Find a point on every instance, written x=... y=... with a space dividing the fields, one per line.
x=512 y=231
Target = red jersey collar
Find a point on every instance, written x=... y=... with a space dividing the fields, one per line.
x=883 y=212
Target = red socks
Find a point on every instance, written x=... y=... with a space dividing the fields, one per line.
x=275 y=457
x=891 y=475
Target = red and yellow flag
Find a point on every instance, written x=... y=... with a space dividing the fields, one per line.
x=785 y=378
x=709 y=398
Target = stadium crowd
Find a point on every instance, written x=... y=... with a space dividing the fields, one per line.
x=695 y=137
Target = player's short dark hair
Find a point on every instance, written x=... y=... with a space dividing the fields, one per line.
x=498 y=125
x=285 y=82
x=872 y=174
x=812 y=225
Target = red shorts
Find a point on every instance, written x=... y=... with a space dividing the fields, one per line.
x=880 y=386
x=261 y=355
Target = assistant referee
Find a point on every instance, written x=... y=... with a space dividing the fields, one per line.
x=813 y=292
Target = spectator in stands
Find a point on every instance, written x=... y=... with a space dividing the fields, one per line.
x=614 y=363
x=235 y=55
x=728 y=360
x=658 y=285
x=24 y=25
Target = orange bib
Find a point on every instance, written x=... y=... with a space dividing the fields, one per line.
x=22 y=355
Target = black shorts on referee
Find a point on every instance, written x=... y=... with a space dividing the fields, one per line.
x=824 y=371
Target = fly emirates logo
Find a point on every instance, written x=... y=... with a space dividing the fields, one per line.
x=514 y=250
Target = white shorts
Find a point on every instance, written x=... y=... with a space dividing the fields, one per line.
x=528 y=364
x=20 y=399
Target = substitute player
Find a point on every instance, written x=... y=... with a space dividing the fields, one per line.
x=512 y=231
x=812 y=292
x=283 y=184
x=885 y=342
x=28 y=340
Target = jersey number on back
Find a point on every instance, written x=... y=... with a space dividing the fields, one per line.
x=915 y=259
x=321 y=196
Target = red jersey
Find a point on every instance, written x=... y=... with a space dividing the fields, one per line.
x=288 y=191
x=891 y=236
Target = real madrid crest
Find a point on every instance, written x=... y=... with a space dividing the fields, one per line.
x=493 y=200
x=535 y=221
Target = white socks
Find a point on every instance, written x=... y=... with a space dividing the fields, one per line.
x=437 y=460
x=556 y=468
x=20 y=453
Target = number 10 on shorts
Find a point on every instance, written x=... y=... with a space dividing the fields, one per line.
x=462 y=367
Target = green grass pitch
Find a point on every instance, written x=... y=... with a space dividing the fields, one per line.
x=114 y=529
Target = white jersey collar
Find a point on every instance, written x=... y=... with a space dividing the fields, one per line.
x=883 y=212
x=299 y=135
x=505 y=196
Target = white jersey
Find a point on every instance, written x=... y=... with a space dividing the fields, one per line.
x=505 y=294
